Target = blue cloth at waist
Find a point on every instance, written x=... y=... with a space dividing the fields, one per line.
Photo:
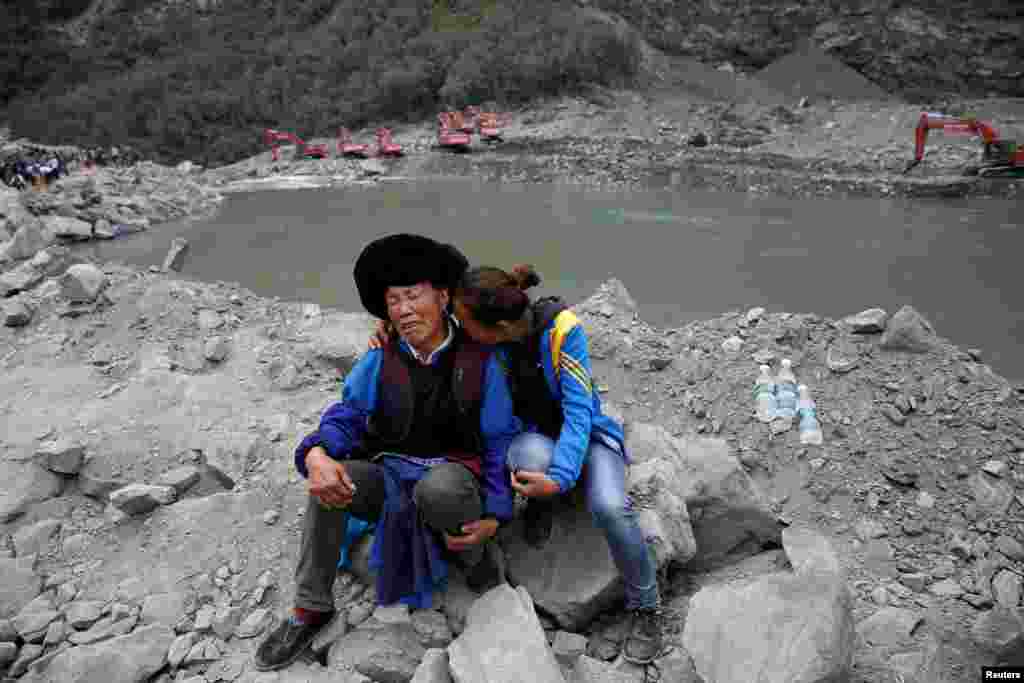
x=406 y=554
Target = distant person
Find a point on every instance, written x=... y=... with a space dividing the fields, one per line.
x=568 y=439
x=417 y=445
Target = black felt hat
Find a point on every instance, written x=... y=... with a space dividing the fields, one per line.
x=403 y=260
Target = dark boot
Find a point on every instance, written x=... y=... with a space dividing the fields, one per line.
x=537 y=521
x=645 y=639
x=286 y=643
x=489 y=571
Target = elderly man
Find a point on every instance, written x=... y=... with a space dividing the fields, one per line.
x=417 y=444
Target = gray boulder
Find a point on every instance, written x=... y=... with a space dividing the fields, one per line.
x=181 y=479
x=126 y=659
x=573 y=576
x=175 y=258
x=503 y=640
x=68 y=228
x=433 y=668
x=230 y=455
x=20 y=279
x=22 y=484
x=16 y=313
x=30 y=237
x=82 y=283
x=62 y=456
x=388 y=653
x=728 y=513
x=19 y=587
x=999 y=632
x=36 y=538
x=138 y=499
x=908 y=330
x=793 y=627
x=341 y=340
x=867 y=322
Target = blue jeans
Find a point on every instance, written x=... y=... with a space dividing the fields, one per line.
x=604 y=481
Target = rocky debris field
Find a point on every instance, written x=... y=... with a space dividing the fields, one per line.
x=150 y=512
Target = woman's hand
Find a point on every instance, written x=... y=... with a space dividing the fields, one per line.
x=473 y=533
x=380 y=335
x=534 y=484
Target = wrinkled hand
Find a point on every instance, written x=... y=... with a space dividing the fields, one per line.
x=380 y=335
x=328 y=480
x=534 y=484
x=474 y=533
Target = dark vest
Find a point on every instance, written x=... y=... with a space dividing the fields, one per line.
x=431 y=410
x=533 y=400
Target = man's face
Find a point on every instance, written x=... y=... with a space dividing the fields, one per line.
x=417 y=312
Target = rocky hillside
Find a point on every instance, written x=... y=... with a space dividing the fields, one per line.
x=199 y=79
x=914 y=48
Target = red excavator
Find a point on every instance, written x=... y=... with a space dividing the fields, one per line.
x=1000 y=158
x=386 y=147
x=449 y=135
x=273 y=137
x=489 y=125
x=347 y=148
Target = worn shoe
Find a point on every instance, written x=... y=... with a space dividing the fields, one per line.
x=646 y=639
x=489 y=571
x=285 y=644
x=537 y=521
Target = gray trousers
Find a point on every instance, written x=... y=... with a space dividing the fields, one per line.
x=447 y=497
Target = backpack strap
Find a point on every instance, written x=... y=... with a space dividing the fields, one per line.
x=468 y=382
x=395 y=397
x=564 y=323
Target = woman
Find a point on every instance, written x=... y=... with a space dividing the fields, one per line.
x=570 y=440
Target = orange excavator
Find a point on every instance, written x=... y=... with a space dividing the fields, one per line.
x=1000 y=158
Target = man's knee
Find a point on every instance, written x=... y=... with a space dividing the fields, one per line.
x=448 y=496
x=531 y=452
x=370 y=490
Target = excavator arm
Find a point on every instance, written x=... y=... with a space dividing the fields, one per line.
x=951 y=125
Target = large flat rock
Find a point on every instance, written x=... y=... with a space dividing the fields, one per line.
x=573 y=576
x=126 y=659
x=20 y=585
x=787 y=627
x=22 y=484
x=193 y=536
x=728 y=513
x=503 y=642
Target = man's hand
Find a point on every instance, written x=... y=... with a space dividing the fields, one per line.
x=380 y=335
x=328 y=480
x=534 y=484
x=474 y=533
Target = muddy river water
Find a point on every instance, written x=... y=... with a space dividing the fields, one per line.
x=682 y=256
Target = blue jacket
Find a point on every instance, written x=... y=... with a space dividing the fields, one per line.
x=343 y=425
x=572 y=384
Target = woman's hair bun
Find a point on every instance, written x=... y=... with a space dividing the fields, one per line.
x=525 y=276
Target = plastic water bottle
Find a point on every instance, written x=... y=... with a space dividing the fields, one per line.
x=785 y=390
x=810 y=428
x=764 y=395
